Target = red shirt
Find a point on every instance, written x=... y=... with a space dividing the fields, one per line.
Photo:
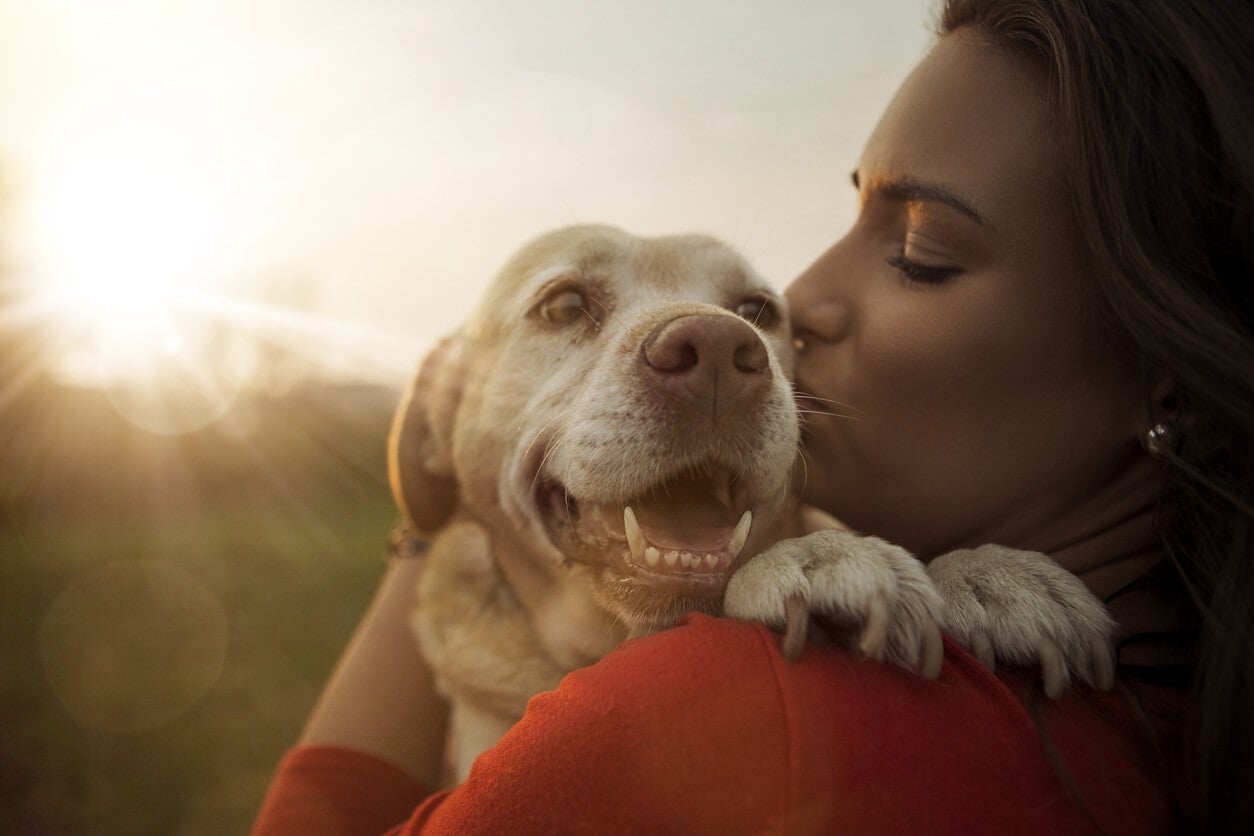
x=705 y=729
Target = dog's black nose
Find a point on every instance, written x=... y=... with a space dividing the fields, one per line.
x=709 y=355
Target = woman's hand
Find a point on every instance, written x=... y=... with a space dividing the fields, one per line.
x=381 y=699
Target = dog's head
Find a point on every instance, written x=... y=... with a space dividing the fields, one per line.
x=618 y=408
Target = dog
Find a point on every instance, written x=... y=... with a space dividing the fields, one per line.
x=609 y=443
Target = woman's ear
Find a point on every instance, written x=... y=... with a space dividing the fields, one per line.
x=1156 y=428
x=1163 y=401
x=420 y=446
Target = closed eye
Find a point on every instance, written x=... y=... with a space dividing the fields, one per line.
x=921 y=273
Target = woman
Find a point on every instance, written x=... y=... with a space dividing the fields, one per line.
x=1045 y=316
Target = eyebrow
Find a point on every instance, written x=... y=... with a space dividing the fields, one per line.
x=907 y=189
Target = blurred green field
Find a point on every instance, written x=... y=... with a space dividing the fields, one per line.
x=131 y=564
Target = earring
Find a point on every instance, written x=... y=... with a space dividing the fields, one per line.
x=1157 y=439
x=798 y=344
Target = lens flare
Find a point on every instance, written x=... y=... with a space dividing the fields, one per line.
x=131 y=646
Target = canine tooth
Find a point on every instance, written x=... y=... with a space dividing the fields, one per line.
x=635 y=537
x=741 y=534
x=651 y=556
x=671 y=557
x=711 y=561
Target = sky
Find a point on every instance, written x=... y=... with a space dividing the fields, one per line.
x=372 y=163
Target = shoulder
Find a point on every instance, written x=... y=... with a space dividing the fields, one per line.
x=705 y=728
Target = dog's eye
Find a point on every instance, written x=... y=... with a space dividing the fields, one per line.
x=759 y=310
x=562 y=306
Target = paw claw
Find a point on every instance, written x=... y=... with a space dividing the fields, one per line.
x=875 y=633
x=797 y=622
x=875 y=596
x=1053 y=670
x=1103 y=665
x=982 y=650
x=933 y=653
x=1020 y=608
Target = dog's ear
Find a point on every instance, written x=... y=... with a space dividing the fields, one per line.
x=420 y=445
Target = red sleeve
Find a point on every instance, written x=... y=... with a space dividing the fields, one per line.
x=336 y=792
x=660 y=736
x=704 y=729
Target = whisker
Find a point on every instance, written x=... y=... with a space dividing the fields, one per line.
x=558 y=414
x=556 y=441
x=804 y=458
x=825 y=412
x=536 y=435
x=531 y=409
x=545 y=401
x=606 y=308
x=566 y=504
x=799 y=393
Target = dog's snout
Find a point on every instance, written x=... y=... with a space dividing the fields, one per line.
x=707 y=354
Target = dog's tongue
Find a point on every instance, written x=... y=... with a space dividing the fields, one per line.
x=688 y=514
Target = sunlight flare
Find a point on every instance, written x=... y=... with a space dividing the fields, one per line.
x=133 y=250
x=124 y=231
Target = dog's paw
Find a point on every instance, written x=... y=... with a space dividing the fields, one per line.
x=1021 y=608
x=860 y=591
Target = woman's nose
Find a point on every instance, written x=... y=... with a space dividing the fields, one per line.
x=819 y=316
x=818 y=308
x=827 y=320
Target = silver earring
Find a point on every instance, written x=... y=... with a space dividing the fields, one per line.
x=1157 y=439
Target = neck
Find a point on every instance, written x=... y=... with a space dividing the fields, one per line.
x=1117 y=553
x=1110 y=541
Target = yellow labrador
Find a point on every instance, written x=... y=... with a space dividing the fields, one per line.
x=608 y=444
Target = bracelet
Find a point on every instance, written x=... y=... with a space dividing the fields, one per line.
x=404 y=546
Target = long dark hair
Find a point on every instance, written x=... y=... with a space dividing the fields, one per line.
x=1154 y=100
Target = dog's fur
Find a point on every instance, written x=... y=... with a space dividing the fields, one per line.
x=603 y=371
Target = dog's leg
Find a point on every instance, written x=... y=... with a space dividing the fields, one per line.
x=874 y=594
x=1020 y=608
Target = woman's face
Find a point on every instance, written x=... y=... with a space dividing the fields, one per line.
x=951 y=329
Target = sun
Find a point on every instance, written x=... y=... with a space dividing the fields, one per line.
x=129 y=246
x=123 y=241
x=128 y=234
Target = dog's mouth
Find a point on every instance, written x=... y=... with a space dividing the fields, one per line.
x=684 y=533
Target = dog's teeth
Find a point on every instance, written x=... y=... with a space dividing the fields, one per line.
x=635 y=537
x=651 y=556
x=741 y=534
x=711 y=561
x=689 y=561
x=670 y=558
